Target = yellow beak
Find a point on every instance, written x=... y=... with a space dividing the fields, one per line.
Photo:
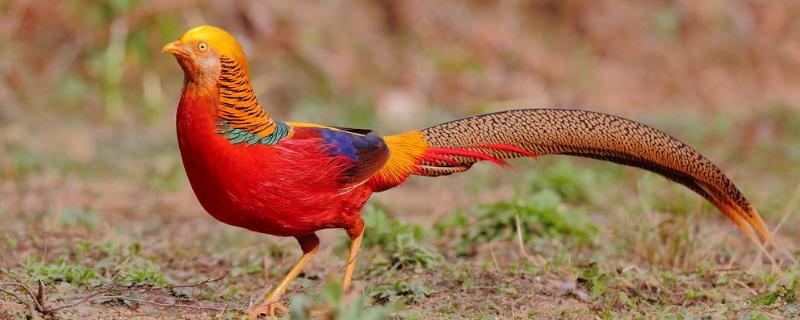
x=173 y=48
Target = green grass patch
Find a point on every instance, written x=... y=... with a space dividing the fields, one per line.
x=93 y=265
x=570 y=182
x=540 y=214
x=62 y=271
x=402 y=245
x=331 y=299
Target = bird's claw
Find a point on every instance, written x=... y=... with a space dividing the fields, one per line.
x=268 y=308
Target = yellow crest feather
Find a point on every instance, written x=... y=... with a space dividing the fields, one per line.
x=222 y=41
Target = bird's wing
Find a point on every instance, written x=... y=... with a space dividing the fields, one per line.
x=361 y=152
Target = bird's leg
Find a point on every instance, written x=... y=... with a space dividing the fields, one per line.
x=271 y=303
x=355 y=233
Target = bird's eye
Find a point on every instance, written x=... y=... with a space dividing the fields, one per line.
x=202 y=46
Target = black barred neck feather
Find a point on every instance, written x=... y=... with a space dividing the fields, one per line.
x=241 y=118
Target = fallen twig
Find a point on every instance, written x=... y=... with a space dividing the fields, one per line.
x=199 y=283
x=32 y=308
x=163 y=305
x=39 y=298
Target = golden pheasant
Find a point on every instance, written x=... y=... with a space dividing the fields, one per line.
x=292 y=179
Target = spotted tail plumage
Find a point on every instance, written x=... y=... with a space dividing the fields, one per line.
x=455 y=146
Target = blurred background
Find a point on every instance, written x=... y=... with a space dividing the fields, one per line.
x=83 y=84
x=87 y=101
x=99 y=61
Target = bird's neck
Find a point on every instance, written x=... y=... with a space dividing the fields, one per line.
x=240 y=117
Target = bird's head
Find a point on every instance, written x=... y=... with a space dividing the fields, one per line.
x=199 y=52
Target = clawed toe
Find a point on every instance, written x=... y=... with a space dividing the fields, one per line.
x=268 y=309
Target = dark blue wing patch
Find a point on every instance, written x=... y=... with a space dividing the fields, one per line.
x=342 y=142
x=364 y=148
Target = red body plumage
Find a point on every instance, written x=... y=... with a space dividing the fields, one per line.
x=289 y=189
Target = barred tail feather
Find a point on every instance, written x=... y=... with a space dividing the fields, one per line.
x=454 y=146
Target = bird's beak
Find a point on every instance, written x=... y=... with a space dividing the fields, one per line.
x=173 y=48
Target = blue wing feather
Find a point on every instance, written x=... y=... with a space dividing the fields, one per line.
x=368 y=152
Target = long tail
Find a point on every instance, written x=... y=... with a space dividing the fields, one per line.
x=455 y=146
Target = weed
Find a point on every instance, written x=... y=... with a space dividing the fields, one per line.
x=61 y=271
x=594 y=279
x=331 y=299
x=110 y=265
x=784 y=294
x=402 y=244
x=396 y=290
x=573 y=184
x=384 y=229
x=142 y=273
x=542 y=214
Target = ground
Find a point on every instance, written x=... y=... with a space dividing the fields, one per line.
x=549 y=238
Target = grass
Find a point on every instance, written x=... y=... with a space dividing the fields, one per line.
x=332 y=300
x=401 y=245
x=537 y=215
x=91 y=266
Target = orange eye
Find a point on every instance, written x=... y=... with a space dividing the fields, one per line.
x=202 y=47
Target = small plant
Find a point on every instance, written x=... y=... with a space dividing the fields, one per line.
x=330 y=299
x=572 y=183
x=401 y=243
x=110 y=264
x=62 y=271
x=396 y=290
x=542 y=214
x=783 y=295
x=142 y=274
x=384 y=229
x=594 y=279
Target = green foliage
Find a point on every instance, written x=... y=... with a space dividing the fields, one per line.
x=98 y=264
x=384 y=229
x=140 y=272
x=61 y=271
x=783 y=294
x=331 y=299
x=401 y=243
x=542 y=213
x=396 y=290
x=572 y=183
x=594 y=279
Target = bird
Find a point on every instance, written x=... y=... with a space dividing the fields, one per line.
x=292 y=179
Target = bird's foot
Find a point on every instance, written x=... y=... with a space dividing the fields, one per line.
x=267 y=308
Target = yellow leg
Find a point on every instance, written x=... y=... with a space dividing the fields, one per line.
x=355 y=232
x=351 y=261
x=271 y=302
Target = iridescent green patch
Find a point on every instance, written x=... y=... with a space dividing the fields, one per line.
x=235 y=135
